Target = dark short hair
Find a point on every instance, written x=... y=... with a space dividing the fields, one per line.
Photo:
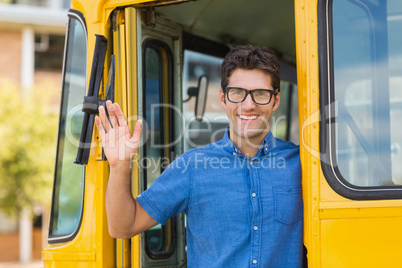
x=250 y=57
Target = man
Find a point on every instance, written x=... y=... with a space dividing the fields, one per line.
x=241 y=195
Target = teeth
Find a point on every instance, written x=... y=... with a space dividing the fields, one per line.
x=248 y=117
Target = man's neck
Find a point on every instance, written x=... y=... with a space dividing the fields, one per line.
x=249 y=146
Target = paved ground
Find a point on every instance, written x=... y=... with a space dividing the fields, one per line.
x=35 y=264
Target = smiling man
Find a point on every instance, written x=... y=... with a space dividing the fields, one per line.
x=241 y=195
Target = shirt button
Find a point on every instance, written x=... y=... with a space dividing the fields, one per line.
x=253 y=195
x=254 y=261
x=251 y=162
x=256 y=228
x=234 y=153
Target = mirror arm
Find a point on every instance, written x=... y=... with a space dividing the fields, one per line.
x=186 y=100
x=191 y=92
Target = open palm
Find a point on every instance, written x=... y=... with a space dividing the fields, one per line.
x=118 y=143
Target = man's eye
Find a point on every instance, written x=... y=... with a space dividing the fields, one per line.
x=237 y=92
x=261 y=93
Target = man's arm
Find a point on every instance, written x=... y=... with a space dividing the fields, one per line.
x=125 y=216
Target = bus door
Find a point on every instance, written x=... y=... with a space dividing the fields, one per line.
x=156 y=74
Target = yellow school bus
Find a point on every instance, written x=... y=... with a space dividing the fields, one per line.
x=341 y=97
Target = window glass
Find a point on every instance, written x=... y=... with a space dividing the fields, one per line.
x=214 y=122
x=153 y=98
x=158 y=240
x=284 y=122
x=367 y=38
x=293 y=130
x=69 y=178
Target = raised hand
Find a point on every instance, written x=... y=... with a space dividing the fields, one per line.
x=118 y=143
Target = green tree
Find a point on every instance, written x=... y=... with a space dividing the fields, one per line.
x=28 y=130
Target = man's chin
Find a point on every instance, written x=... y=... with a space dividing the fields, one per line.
x=253 y=133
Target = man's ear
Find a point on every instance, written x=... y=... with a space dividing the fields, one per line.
x=222 y=98
x=277 y=101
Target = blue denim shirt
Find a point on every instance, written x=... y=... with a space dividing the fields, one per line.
x=241 y=212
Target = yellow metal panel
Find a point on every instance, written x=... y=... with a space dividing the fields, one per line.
x=327 y=193
x=131 y=44
x=360 y=212
x=102 y=8
x=135 y=251
x=362 y=204
x=307 y=78
x=80 y=256
x=101 y=5
x=117 y=82
x=132 y=93
x=123 y=259
x=122 y=67
x=358 y=243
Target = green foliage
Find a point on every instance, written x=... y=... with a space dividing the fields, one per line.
x=28 y=130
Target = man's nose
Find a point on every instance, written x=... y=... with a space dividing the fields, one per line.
x=248 y=103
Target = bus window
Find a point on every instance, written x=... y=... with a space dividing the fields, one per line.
x=159 y=240
x=214 y=122
x=365 y=97
x=68 y=189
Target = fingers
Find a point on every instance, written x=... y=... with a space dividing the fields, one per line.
x=105 y=120
x=117 y=120
x=121 y=119
x=100 y=128
x=112 y=115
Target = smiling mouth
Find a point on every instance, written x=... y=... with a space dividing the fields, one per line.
x=248 y=117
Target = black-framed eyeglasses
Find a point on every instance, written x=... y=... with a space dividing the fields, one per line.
x=259 y=96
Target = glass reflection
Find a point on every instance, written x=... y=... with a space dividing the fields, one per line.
x=368 y=90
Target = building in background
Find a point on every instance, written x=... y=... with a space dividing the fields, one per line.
x=31 y=52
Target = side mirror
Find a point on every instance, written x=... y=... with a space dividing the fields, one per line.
x=200 y=92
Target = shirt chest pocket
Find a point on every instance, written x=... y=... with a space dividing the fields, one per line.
x=288 y=204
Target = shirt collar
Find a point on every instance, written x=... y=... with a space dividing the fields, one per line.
x=265 y=148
